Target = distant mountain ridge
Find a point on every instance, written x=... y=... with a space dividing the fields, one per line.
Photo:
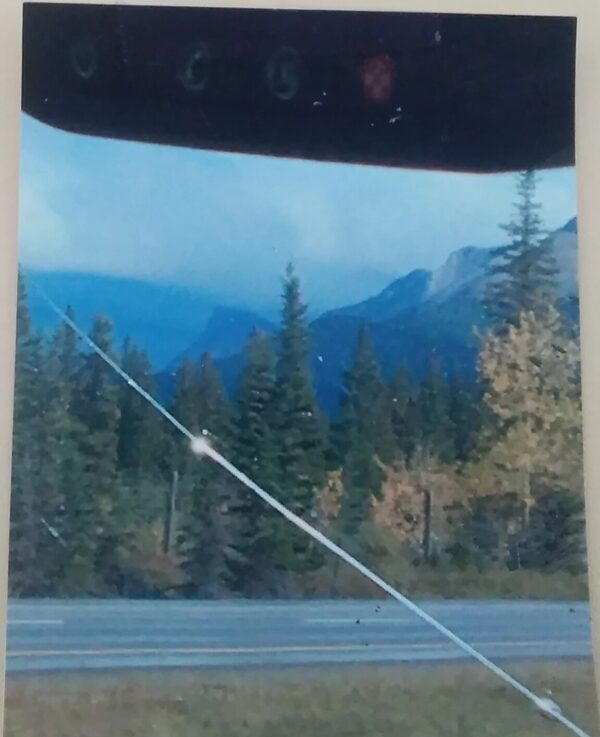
x=161 y=318
x=422 y=313
x=225 y=333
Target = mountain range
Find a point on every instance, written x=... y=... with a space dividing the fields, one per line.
x=423 y=313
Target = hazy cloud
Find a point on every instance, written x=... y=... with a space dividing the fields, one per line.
x=231 y=223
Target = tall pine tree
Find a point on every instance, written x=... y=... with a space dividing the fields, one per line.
x=139 y=425
x=400 y=391
x=366 y=403
x=437 y=428
x=366 y=434
x=26 y=531
x=255 y=456
x=299 y=433
x=523 y=271
x=96 y=407
x=63 y=445
x=211 y=533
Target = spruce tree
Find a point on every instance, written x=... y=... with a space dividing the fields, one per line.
x=299 y=433
x=96 y=407
x=366 y=435
x=437 y=429
x=415 y=424
x=210 y=532
x=184 y=407
x=523 y=271
x=366 y=404
x=73 y=527
x=139 y=425
x=67 y=349
x=362 y=478
x=255 y=456
x=26 y=532
x=467 y=414
x=144 y=462
x=46 y=462
x=400 y=392
x=63 y=446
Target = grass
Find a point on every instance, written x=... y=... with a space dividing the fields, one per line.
x=365 y=701
x=449 y=583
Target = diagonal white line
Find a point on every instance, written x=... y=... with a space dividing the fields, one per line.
x=201 y=447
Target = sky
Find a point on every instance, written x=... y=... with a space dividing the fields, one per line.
x=228 y=224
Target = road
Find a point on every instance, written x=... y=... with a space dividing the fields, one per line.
x=81 y=635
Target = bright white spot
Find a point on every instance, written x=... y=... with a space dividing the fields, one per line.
x=205 y=432
x=320 y=359
x=199 y=446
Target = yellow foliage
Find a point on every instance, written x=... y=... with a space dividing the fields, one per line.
x=532 y=374
x=400 y=507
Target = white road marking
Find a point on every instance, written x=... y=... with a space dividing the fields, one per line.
x=362 y=620
x=275 y=649
x=34 y=622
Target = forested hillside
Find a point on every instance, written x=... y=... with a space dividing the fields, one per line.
x=449 y=478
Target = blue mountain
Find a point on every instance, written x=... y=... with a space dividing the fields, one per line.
x=224 y=334
x=423 y=313
x=419 y=315
x=161 y=318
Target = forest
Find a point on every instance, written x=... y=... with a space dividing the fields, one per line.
x=446 y=486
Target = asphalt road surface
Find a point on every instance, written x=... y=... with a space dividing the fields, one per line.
x=87 y=635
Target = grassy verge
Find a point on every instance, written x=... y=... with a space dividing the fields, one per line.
x=398 y=701
x=448 y=583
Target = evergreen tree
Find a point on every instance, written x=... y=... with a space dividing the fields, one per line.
x=415 y=424
x=45 y=456
x=139 y=425
x=555 y=536
x=366 y=405
x=26 y=532
x=66 y=468
x=67 y=349
x=466 y=412
x=524 y=271
x=184 y=407
x=402 y=422
x=437 y=428
x=299 y=435
x=255 y=456
x=145 y=472
x=96 y=407
x=211 y=533
x=212 y=408
x=362 y=478
x=366 y=435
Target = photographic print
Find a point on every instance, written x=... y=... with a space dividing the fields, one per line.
x=297 y=415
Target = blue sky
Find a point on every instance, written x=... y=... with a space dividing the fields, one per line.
x=228 y=224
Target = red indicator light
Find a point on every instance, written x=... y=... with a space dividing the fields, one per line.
x=378 y=74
